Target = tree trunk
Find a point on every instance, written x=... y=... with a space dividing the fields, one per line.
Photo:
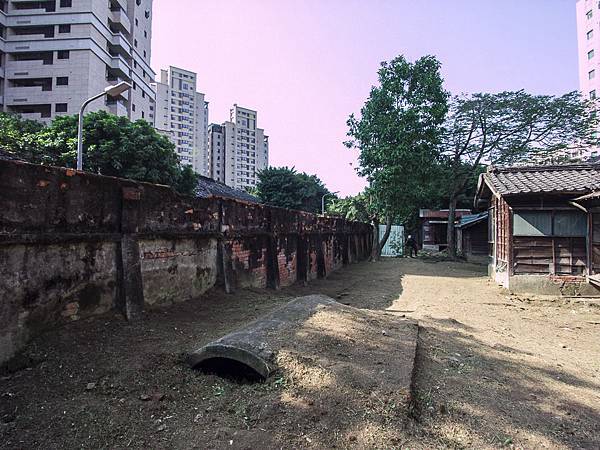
x=375 y=250
x=451 y=238
x=379 y=244
x=386 y=234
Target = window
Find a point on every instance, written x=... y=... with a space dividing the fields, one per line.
x=549 y=223
x=591 y=74
x=532 y=223
x=62 y=81
x=66 y=3
x=61 y=107
x=593 y=94
x=571 y=224
x=133 y=107
x=589 y=14
x=63 y=54
x=590 y=54
x=64 y=28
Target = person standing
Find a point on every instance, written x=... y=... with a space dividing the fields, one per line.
x=411 y=246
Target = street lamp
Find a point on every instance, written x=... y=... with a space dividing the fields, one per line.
x=111 y=91
x=323 y=200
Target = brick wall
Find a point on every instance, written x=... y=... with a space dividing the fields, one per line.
x=287 y=254
x=74 y=244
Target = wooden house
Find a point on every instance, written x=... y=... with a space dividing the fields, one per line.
x=544 y=227
x=472 y=237
x=433 y=224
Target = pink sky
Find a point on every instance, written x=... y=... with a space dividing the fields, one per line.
x=306 y=65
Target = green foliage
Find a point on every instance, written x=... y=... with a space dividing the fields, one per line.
x=397 y=134
x=356 y=208
x=16 y=136
x=511 y=127
x=113 y=146
x=419 y=151
x=186 y=181
x=286 y=188
x=507 y=128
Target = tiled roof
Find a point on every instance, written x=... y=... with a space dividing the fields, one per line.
x=207 y=187
x=543 y=179
x=7 y=156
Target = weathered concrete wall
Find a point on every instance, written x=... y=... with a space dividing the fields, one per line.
x=555 y=286
x=166 y=262
x=47 y=284
x=75 y=244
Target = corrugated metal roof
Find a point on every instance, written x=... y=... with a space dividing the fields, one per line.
x=441 y=213
x=467 y=221
x=543 y=179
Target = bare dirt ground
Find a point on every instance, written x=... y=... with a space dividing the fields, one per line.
x=493 y=371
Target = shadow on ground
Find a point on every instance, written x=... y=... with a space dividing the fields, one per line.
x=107 y=383
x=475 y=393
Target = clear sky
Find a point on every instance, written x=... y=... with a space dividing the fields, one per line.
x=305 y=65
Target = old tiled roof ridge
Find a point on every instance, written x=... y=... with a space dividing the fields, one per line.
x=544 y=168
x=207 y=187
x=7 y=156
x=543 y=179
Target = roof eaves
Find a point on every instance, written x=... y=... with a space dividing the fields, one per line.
x=482 y=183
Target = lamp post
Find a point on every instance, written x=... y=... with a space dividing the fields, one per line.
x=112 y=91
x=323 y=200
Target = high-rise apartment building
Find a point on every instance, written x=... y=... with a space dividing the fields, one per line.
x=588 y=40
x=216 y=151
x=182 y=115
x=55 y=54
x=238 y=149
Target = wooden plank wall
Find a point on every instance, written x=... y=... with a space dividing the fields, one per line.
x=475 y=239
x=549 y=255
x=595 y=240
x=502 y=229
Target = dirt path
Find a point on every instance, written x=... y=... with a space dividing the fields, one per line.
x=493 y=371
x=498 y=370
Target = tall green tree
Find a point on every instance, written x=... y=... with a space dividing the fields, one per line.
x=505 y=128
x=286 y=188
x=113 y=146
x=398 y=133
x=17 y=136
x=355 y=207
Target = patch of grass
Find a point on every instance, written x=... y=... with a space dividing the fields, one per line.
x=280 y=382
x=218 y=390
